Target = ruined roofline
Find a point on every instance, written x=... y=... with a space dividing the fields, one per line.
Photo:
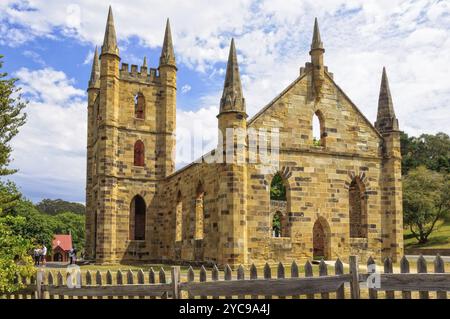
x=298 y=79
x=198 y=161
x=257 y=115
x=356 y=108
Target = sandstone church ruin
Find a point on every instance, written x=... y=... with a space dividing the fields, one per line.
x=342 y=193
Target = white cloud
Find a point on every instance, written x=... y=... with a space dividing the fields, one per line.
x=48 y=86
x=51 y=146
x=89 y=57
x=196 y=134
x=185 y=88
x=35 y=57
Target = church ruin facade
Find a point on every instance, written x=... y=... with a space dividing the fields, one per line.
x=340 y=194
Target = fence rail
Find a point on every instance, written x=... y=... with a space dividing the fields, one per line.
x=215 y=283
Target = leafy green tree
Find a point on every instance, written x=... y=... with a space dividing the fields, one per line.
x=53 y=207
x=276 y=225
x=14 y=249
x=426 y=199
x=277 y=188
x=15 y=259
x=432 y=151
x=39 y=228
x=11 y=117
x=9 y=196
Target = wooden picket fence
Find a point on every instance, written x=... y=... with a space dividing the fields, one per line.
x=217 y=284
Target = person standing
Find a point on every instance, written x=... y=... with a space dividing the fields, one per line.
x=74 y=258
x=36 y=256
x=44 y=254
x=71 y=256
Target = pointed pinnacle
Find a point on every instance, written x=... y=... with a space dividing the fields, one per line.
x=144 y=64
x=95 y=71
x=232 y=75
x=167 y=53
x=110 y=40
x=316 y=41
x=386 y=119
x=385 y=99
x=232 y=97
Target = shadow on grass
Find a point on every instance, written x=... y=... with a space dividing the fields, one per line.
x=432 y=242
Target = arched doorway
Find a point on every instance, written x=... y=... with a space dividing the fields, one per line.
x=57 y=257
x=321 y=239
x=137 y=218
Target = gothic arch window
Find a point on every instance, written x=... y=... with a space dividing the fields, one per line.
x=318 y=129
x=139 y=153
x=321 y=239
x=357 y=209
x=137 y=218
x=279 y=200
x=179 y=218
x=277 y=188
x=276 y=225
x=199 y=212
x=139 y=106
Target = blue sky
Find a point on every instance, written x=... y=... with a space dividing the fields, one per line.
x=49 y=46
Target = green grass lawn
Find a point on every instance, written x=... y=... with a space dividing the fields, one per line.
x=439 y=238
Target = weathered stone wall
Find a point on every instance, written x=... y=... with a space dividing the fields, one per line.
x=188 y=249
x=317 y=178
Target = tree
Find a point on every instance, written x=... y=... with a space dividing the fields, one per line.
x=9 y=196
x=53 y=207
x=276 y=224
x=277 y=188
x=14 y=249
x=15 y=259
x=426 y=199
x=11 y=117
x=39 y=228
x=432 y=151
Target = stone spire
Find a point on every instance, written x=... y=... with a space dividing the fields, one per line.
x=318 y=67
x=386 y=119
x=110 y=40
x=316 y=41
x=167 y=54
x=95 y=72
x=232 y=97
x=144 y=64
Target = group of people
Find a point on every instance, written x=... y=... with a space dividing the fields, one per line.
x=39 y=254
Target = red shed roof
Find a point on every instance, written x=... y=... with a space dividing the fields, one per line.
x=63 y=241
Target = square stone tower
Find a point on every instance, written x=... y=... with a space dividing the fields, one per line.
x=131 y=145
